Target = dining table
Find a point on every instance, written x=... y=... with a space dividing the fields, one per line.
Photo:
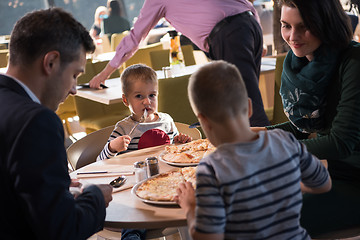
x=127 y=210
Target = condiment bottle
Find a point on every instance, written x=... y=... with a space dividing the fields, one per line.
x=176 y=55
x=152 y=166
x=140 y=171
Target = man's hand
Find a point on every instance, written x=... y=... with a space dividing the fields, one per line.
x=96 y=81
x=106 y=189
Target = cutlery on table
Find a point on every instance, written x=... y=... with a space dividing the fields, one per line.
x=118 y=182
x=142 y=119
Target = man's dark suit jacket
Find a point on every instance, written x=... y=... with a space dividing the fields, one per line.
x=35 y=202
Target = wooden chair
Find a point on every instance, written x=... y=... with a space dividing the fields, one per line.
x=192 y=132
x=160 y=58
x=142 y=55
x=85 y=150
x=173 y=99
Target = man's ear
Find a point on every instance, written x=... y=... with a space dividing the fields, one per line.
x=51 y=61
x=124 y=100
x=250 y=109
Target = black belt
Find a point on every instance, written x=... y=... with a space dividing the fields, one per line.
x=226 y=20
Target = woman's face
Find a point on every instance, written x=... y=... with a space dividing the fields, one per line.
x=296 y=35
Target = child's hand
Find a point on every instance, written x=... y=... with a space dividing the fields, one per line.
x=186 y=196
x=119 y=144
x=182 y=138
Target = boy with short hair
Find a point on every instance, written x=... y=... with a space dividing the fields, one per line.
x=140 y=90
x=249 y=187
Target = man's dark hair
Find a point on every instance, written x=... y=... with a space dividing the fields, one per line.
x=42 y=31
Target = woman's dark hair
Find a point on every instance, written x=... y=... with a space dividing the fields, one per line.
x=325 y=19
x=114 y=10
x=42 y=31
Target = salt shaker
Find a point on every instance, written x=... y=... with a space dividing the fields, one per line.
x=152 y=166
x=140 y=171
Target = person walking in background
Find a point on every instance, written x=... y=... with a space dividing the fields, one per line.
x=115 y=23
x=228 y=30
x=250 y=186
x=47 y=54
x=320 y=91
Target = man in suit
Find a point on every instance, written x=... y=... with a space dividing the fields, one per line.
x=47 y=53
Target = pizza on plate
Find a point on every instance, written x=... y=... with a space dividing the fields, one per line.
x=163 y=186
x=191 y=152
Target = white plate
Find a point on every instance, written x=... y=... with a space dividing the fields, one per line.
x=133 y=191
x=173 y=163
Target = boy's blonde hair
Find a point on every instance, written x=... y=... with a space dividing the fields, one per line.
x=137 y=72
x=217 y=91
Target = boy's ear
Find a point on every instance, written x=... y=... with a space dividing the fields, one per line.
x=250 y=110
x=124 y=100
x=205 y=123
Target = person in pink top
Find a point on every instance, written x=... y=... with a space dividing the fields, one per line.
x=227 y=29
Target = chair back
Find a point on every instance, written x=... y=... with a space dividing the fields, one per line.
x=173 y=99
x=4 y=55
x=94 y=115
x=88 y=74
x=192 y=132
x=161 y=58
x=100 y=65
x=142 y=55
x=116 y=39
x=278 y=112
x=85 y=150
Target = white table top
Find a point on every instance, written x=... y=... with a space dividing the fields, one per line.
x=126 y=210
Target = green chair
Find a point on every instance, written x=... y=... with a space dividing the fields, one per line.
x=94 y=115
x=173 y=99
x=100 y=65
x=160 y=58
x=67 y=110
x=142 y=55
x=88 y=74
x=4 y=55
x=278 y=112
x=116 y=39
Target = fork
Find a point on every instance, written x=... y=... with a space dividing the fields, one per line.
x=142 y=119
